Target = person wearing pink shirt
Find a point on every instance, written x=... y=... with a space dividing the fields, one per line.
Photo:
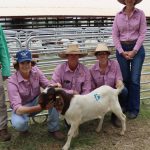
x=128 y=32
x=23 y=91
x=73 y=76
x=107 y=72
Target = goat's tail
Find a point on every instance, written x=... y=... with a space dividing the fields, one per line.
x=120 y=87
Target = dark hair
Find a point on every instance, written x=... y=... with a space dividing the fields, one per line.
x=16 y=65
x=102 y=51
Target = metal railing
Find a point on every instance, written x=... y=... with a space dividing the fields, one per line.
x=48 y=42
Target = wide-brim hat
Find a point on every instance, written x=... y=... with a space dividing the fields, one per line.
x=72 y=49
x=102 y=47
x=123 y=1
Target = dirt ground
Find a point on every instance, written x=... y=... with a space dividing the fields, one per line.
x=137 y=137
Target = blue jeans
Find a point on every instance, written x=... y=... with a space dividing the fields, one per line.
x=131 y=72
x=123 y=99
x=20 y=122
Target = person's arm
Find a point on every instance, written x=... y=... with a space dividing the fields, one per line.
x=118 y=74
x=16 y=101
x=115 y=36
x=4 y=55
x=142 y=32
x=27 y=109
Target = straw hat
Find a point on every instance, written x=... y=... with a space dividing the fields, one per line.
x=72 y=49
x=123 y=1
x=102 y=47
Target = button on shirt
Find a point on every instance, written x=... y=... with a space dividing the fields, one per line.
x=129 y=28
x=21 y=91
x=112 y=74
x=78 y=80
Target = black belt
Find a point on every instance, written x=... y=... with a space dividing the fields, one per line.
x=128 y=42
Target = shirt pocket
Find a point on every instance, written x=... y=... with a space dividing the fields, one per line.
x=79 y=84
x=111 y=80
x=99 y=81
x=67 y=84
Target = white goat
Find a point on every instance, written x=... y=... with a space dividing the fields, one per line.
x=81 y=108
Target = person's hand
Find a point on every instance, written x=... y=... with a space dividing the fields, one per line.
x=75 y=92
x=128 y=55
x=131 y=54
x=125 y=55
x=49 y=106
x=58 y=85
x=119 y=83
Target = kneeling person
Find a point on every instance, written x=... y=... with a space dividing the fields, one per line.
x=23 y=91
x=107 y=72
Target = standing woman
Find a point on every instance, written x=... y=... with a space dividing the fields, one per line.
x=129 y=29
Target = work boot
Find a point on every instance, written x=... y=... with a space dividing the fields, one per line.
x=4 y=135
x=57 y=135
x=115 y=121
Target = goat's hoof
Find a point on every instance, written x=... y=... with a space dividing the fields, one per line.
x=97 y=130
x=65 y=148
x=122 y=133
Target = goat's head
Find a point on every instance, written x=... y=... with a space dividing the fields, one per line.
x=47 y=96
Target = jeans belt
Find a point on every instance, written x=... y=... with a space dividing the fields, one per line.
x=128 y=42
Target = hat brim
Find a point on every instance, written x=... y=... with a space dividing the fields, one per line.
x=92 y=53
x=122 y=1
x=65 y=54
x=22 y=60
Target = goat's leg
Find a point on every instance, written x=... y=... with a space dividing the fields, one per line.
x=71 y=133
x=99 y=127
x=76 y=133
x=118 y=112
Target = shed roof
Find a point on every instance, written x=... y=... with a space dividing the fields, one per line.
x=63 y=7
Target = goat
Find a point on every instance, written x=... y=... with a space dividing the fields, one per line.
x=78 y=109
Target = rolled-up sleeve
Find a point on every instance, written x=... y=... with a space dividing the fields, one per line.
x=14 y=96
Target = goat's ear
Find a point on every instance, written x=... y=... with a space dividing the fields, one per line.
x=41 y=100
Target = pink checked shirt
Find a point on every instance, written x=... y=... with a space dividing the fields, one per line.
x=129 y=29
x=78 y=80
x=21 y=91
x=112 y=74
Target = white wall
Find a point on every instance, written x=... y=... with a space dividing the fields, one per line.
x=64 y=7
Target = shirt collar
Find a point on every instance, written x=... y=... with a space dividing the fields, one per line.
x=67 y=69
x=97 y=65
x=20 y=78
x=122 y=11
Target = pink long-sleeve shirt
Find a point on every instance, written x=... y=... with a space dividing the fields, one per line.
x=112 y=74
x=21 y=91
x=129 y=29
x=78 y=80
